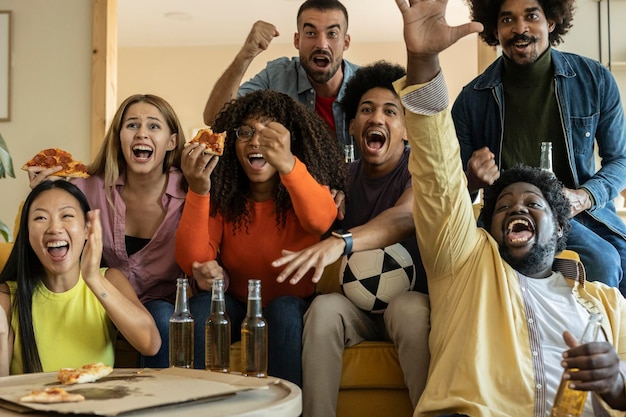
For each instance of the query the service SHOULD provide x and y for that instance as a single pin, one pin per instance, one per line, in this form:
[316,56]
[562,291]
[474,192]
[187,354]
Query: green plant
[6,168]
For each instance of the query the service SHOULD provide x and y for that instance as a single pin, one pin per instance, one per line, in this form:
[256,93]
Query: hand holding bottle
[578,199]
[594,366]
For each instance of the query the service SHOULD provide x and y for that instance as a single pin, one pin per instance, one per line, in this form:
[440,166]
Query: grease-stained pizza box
[128,390]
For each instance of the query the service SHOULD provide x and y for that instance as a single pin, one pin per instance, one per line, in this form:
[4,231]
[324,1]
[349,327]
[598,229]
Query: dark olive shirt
[531,116]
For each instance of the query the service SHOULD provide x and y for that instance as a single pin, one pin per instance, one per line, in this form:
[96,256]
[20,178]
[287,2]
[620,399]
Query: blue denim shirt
[590,106]
[287,75]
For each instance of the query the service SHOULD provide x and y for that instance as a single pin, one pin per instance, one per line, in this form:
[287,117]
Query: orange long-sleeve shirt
[247,255]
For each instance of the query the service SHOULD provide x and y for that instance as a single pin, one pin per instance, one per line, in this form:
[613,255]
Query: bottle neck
[218,304]
[254,298]
[254,307]
[348,153]
[590,334]
[546,156]
[182,304]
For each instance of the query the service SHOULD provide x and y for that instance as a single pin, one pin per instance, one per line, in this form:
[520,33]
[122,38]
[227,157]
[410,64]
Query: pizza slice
[214,141]
[51,157]
[87,373]
[51,395]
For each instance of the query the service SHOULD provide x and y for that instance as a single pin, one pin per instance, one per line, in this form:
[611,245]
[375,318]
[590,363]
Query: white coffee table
[281,398]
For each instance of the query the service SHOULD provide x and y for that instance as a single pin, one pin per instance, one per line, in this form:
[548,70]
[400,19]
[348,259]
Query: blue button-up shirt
[591,110]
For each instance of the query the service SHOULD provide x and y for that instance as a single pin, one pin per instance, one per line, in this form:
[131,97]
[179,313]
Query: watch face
[341,233]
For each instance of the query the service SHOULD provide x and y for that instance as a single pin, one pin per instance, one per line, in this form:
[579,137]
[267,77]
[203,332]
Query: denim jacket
[287,75]
[590,106]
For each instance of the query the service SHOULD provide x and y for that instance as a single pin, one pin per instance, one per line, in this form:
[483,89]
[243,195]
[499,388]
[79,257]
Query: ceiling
[215,22]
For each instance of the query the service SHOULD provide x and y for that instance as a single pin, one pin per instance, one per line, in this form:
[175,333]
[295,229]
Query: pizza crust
[51,395]
[87,373]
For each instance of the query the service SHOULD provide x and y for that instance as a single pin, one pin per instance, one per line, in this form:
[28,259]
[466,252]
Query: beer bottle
[217,332]
[569,402]
[348,153]
[181,329]
[545,162]
[254,335]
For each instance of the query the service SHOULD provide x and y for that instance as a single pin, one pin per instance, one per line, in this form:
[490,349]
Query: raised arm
[313,203]
[225,89]
[193,241]
[116,294]
[447,234]
[426,34]
[390,226]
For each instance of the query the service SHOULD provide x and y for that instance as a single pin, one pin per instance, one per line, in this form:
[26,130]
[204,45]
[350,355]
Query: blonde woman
[136,182]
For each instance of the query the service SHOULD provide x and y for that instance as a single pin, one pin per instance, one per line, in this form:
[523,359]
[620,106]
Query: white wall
[50,87]
[185,76]
[51,71]
[584,37]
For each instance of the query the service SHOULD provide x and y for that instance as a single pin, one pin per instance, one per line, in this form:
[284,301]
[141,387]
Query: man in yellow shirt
[505,314]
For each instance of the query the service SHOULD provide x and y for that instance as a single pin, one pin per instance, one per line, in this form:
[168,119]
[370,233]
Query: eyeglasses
[245,133]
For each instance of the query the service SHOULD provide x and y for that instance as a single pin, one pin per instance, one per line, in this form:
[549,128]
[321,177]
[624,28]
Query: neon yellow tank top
[71,329]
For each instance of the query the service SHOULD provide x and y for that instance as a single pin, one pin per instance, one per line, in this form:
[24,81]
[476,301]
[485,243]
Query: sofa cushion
[366,365]
[371,365]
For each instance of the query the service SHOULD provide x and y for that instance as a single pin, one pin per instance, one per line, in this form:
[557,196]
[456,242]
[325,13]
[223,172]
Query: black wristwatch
[347,238]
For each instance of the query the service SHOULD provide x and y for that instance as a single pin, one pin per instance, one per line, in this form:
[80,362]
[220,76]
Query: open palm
[426,31]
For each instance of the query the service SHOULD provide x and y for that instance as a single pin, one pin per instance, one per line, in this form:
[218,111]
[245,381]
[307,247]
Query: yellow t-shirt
[71,329]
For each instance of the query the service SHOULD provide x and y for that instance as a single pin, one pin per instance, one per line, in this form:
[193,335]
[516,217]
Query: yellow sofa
[372,383]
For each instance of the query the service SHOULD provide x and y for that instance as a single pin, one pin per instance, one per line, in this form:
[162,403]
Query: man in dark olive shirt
[534,94]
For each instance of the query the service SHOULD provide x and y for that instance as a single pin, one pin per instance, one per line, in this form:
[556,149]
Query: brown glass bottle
[181,329]
[217,332]
[254,335]
[569,402]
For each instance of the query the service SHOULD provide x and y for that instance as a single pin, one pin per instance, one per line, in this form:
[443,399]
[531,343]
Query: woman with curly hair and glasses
[269,192]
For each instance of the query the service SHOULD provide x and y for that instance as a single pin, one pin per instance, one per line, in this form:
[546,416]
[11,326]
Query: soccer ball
[371,278]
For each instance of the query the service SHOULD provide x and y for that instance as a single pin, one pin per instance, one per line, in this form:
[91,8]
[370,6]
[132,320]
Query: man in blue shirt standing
[533,94]
[316,78]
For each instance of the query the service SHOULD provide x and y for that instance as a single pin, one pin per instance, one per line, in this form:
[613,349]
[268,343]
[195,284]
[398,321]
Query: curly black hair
[548,184]
[311,141]
[379,74]
[487,11]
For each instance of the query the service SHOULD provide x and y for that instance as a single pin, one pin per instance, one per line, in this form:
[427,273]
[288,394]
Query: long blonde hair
[110,162]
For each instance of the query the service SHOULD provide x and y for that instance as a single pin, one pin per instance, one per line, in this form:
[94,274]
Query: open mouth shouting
[256,161]
[375,139]
[321,60]
[58,249]
[519,231]
[142,152]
